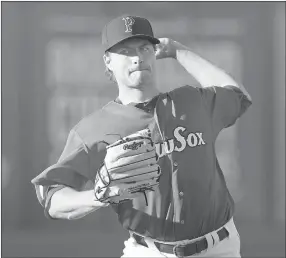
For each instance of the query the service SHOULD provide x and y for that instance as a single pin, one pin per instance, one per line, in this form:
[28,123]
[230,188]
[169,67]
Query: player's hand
[166,49]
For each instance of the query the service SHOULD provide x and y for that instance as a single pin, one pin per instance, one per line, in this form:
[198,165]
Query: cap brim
[141,36]
[150,38]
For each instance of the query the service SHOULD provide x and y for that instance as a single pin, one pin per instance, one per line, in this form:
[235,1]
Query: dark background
[53,74]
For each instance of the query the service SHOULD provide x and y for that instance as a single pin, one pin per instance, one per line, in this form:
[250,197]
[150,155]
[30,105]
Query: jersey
[192,198]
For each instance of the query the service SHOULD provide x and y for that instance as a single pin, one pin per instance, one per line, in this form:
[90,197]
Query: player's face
[133,63]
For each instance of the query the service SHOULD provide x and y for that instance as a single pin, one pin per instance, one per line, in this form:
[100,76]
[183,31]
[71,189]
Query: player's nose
[138,58]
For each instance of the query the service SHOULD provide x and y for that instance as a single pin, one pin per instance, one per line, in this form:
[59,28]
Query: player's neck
[131,95]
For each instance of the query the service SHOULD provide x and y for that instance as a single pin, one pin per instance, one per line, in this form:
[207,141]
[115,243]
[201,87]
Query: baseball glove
[129,170]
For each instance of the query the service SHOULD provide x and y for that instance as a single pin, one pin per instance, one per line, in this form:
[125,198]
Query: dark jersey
[192,198]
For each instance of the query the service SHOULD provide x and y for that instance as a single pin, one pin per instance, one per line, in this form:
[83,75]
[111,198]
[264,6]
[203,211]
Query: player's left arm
[206,73]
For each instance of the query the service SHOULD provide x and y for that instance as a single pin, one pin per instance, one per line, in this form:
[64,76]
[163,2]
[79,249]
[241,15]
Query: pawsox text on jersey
[193,139]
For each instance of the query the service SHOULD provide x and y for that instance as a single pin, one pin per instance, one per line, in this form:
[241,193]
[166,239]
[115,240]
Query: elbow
[53,213]
[247,95]
[58,214]
[249,98]
[54,208]
[243,90]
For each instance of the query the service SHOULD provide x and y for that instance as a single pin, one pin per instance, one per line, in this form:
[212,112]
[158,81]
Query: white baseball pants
[229,247]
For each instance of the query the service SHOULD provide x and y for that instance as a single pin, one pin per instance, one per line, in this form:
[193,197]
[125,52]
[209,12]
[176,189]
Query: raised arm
[225,99]
[206,73]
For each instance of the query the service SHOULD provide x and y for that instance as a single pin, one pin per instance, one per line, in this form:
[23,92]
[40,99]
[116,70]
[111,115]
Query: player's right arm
[206,73]
[224,98]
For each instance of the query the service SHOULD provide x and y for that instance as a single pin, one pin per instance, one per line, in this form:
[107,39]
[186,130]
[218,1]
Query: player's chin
[141,78]
[139,84]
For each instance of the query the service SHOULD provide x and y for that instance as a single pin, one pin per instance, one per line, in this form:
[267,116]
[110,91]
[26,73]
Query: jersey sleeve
[72,169]
[224,104]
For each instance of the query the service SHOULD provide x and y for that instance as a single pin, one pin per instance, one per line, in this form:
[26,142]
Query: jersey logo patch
[191,140]
[129,21]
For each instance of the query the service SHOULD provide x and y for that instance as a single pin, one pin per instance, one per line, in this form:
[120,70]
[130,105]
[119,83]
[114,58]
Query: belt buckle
[175,251]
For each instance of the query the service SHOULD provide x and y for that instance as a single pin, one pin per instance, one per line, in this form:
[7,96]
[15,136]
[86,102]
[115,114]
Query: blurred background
[53,75]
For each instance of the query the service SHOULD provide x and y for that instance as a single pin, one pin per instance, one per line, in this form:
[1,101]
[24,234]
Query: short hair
[108,72]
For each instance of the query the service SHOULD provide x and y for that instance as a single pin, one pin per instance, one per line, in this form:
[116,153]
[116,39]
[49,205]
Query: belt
[183,250]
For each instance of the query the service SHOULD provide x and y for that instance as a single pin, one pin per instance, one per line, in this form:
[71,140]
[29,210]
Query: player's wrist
[88,199]
[177,48]
[172,48]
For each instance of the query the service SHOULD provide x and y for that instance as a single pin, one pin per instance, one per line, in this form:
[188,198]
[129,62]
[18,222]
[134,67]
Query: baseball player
[151,155]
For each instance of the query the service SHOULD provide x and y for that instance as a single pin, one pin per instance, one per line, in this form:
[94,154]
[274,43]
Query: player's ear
[107,60]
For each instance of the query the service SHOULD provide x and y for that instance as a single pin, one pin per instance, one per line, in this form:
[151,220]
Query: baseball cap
[126,27]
